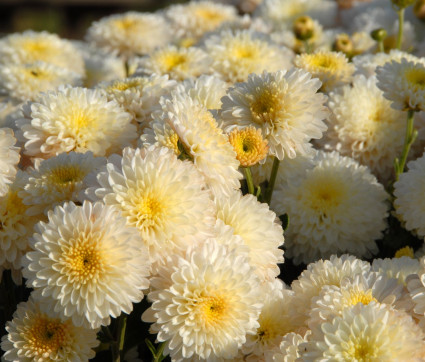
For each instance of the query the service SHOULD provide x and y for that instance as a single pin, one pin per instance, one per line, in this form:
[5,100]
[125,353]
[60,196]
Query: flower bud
[419,9]
[379,34]
[303,28]
[402,4]
[343,44]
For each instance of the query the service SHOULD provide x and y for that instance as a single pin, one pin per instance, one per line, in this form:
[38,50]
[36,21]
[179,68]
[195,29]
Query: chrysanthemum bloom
[75,119]
[165,198]
[87,263]
[323,272]
[178,63]
[249,145]
[336,207]
[332,68]
[237,54]
[288,348]
[31,46]
[58,179]
[284,105]
[398,268]
[256,224]
[15,226]
[415,283]
[204,304]
[24,82]
[139,96]
[409,192]
[368,333]
[34,334]
[364,126]
[9,159]
[129,34]
[194,19]
[403,83]
[187,127]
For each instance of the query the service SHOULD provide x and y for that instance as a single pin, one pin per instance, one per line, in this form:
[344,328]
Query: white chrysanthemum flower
[165,198]
[194,19]
[368,333]
[237,54]
[178,63]
[35,334]
[288,350]
[398,268]
[59,179]
[366,64]
[87,263]
[332,68]
[323,272]
[284,105]
[9,159]
[362,288]
[139,96]
[75,119]
[403,83]
[336,207]
[24,82]
[15,226]
[409,192]
[256,224]
[31,46]
[209,302]
[129,34]
[190,130]
[415,284]
[364,126]
[282,13]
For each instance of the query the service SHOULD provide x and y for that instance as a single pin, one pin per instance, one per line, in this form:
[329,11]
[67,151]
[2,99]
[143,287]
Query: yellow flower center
[249,145]
[171,142]
[325,61]
[406,251]
[124,85]
[149,211]
[265,105]
[36,49]
[84,260]
[126,24]
[212,16]
[65,175]
[47,336]
[244,51]
[212,309]
[364,297]
[361,351]
[171,60]
[416,77]
[11,207]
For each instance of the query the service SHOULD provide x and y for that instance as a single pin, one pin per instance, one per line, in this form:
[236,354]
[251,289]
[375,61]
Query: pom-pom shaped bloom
[409,191]
[165,198]
[9,159]
[30,46]
[332,68]
[205,304]
[59,179]
[129,34]
[284,105]
[256,224]
[87,263]
[34,334]
[237,54]
[75,119]
[403,83]
[249,145]
[288,349]
[335,207]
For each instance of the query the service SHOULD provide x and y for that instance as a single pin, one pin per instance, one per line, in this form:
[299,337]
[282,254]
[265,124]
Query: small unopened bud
[402,4]
[303,28]
[419,9]
[249,145]
[343,44]
[379,34]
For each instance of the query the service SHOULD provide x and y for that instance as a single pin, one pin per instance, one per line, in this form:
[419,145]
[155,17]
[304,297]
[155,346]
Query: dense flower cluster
[236,187]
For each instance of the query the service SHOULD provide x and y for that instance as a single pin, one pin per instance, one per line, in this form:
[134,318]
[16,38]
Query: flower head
[9,159]
[249,144]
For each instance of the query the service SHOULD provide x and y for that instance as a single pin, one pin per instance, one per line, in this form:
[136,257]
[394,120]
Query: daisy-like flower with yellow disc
[332,68]
[36,334]
[237,54]
[30,47]
[178,63]
[249,145]
[204,304]
[24,82]
[164,198]
[75,119]
[403,83]
[87,263]
[59,179]
[9,159]
[129,34]
[284,105]
[369,332]
[336,207]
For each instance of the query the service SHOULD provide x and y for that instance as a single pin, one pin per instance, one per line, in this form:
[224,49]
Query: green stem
[269,191]
[160,353]
[118,345]
[400,28]
[249,182]
[409,138]
[307,47]
[381,47]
